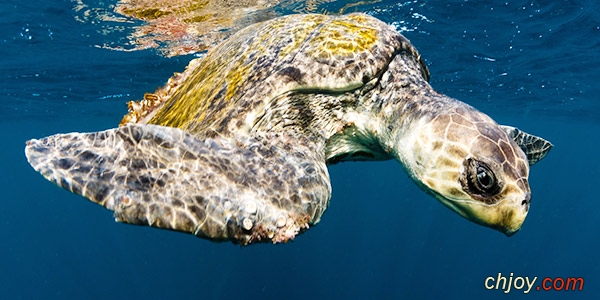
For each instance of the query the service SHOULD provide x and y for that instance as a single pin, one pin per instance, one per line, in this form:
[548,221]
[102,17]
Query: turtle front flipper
[246,190]
[534,147]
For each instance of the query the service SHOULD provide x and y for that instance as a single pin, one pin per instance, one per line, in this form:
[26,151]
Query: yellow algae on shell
[300,33]
[212,85]
[229,89]
[343,38]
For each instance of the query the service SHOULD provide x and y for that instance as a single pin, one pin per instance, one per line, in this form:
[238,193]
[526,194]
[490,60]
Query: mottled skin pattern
[245,190]
[236,147]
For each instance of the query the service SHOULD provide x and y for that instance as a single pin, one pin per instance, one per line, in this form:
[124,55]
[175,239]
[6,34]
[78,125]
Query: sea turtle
[237,147]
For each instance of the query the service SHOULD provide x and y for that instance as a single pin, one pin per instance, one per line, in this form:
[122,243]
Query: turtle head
[476,167]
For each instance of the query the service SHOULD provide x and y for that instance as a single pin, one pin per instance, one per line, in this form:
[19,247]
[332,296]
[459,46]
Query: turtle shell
[226,91]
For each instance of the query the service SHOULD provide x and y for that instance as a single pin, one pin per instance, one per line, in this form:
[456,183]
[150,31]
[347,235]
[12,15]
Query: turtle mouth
[510,232]
[509,224]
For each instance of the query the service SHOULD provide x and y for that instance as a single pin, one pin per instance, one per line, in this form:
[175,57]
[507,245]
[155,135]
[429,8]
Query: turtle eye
[485,179]
[480,179]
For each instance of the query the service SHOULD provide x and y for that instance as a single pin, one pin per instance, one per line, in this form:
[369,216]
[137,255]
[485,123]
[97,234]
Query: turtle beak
[509,225]
[513,216]
[510,233]
[507,217]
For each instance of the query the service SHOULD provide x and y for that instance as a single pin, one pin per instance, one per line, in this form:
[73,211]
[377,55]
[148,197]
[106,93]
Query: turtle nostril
[526,201]
[525,204]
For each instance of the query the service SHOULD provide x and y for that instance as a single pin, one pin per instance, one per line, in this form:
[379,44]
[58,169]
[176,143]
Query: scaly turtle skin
[236,147]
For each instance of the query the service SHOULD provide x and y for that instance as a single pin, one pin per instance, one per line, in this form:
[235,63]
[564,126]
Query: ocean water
[530,64]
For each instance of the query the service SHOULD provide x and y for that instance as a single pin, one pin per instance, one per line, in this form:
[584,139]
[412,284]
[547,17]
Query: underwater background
[531,64]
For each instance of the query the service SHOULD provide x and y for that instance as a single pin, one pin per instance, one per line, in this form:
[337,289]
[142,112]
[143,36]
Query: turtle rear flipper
[253,189]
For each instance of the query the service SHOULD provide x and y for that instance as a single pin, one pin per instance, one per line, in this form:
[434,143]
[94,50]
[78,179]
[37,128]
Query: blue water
[531,64]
